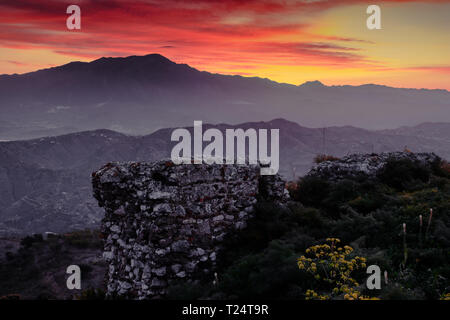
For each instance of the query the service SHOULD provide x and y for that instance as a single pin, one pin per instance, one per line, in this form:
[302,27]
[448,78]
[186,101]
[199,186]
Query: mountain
[45,183]
[435,130]
[140,94]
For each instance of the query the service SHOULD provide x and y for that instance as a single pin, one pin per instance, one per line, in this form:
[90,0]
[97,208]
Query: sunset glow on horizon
[285,41]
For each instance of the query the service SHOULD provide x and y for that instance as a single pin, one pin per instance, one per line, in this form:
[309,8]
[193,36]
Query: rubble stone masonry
[164,221]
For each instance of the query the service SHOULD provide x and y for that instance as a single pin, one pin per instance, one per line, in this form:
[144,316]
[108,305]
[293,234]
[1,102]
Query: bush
[404,174]
[443,169]
[28,241]
[92,294]
[269,274]
[340,193]
[324,157]
[333,267]
[84,239]
[311,191]
[270,222]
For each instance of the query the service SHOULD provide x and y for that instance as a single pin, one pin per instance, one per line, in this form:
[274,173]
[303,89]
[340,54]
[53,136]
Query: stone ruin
[366,165]
[164,221]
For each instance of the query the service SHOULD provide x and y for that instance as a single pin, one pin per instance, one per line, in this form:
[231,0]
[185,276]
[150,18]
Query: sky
[290,41]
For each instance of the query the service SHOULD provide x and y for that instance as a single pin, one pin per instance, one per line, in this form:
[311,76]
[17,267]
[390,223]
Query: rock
[218,218]
[115,229]
[198,252]
[240,225]
[123,285]
[212,256]
[160,252]
[162,208]
[242,214]
[229,217]
[108,255]
[120,212]
[158,283]
[180,246]
[159,195]
[159,271]
[140,194]
[176,268]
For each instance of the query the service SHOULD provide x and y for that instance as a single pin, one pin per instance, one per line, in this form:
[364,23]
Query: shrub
[182,290]
[340,193]
[324,157]
[404,174]
[312,191]
[396,293]
[270,273]
[333,268]
[365,204]
[84,239]
[92,294]
[443,169]
[270,222]
[28,241]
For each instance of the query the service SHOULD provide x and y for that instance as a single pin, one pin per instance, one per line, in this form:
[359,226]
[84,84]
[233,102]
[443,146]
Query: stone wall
[164,221]
[366,165]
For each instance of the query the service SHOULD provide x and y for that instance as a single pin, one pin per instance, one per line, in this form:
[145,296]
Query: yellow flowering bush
[445,297]
[330,263]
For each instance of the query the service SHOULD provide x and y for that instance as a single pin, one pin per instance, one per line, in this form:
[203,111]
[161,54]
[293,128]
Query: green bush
[311,191]
[28,241]
[404,174]
[92,294]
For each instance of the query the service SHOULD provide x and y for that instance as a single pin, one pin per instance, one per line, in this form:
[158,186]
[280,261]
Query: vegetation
[317,246]
[330,265]
[37,269]
[385,221]
[324,157]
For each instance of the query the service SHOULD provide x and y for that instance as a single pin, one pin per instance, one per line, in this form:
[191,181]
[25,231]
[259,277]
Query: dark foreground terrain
[34,268]
[385,220]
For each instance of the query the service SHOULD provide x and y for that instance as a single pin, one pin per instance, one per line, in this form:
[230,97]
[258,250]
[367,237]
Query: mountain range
[140,94]
[62,123]
[45,183]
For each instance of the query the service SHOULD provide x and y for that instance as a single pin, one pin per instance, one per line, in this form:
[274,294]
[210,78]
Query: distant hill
[433,130]
[45,183]
[140,94]
[35,268]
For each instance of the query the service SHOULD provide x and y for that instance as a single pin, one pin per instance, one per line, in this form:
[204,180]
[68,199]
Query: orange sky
[287,41]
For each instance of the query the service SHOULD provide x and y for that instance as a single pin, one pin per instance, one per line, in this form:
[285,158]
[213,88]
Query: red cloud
[194,31]
[440,69]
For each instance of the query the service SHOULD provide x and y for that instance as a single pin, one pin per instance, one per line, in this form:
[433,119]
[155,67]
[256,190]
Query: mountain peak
[313,84]
[149,58]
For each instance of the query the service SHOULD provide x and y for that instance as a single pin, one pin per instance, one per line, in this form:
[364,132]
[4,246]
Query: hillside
[45,183]
[34,268]
[375,216]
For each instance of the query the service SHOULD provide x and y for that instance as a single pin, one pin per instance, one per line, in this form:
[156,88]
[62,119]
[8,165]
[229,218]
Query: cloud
[16,63]
[194,27]
[439,69]
[214,35]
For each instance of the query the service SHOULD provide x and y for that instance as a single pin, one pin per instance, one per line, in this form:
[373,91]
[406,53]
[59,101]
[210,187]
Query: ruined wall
[164,221]
[366,165]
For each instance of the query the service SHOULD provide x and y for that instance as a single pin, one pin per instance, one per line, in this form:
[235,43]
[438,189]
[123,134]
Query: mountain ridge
[156,57]
[139,94]
[45,182]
